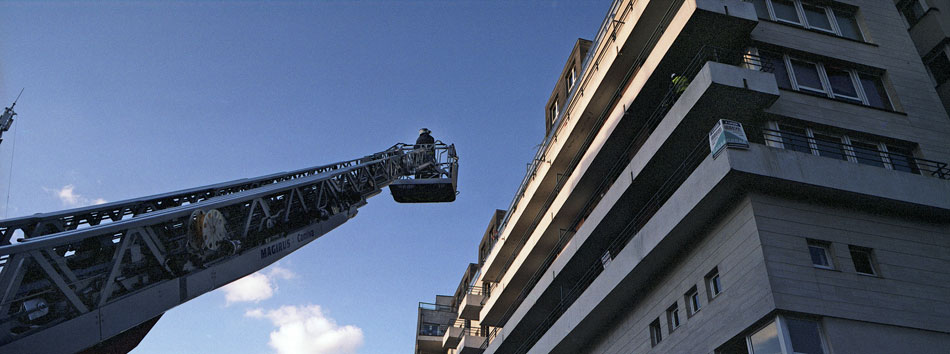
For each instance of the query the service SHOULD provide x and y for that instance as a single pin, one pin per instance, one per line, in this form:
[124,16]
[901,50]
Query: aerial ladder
[96,279]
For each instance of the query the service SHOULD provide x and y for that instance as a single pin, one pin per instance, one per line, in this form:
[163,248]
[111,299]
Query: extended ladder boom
[75,278]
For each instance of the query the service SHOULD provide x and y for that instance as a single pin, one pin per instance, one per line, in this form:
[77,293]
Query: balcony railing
[838,149]
[593,55]
[436,307]
[705,54]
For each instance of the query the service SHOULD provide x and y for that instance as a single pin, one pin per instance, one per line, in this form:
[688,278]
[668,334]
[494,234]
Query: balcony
[453,335]
[867,154]
[664,44]
[720,83]
[472,341]
[632,34]
[696,192]
[433,322]
[471,303]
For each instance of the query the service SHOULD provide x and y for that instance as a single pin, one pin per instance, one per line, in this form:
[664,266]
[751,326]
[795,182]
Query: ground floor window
[787,335]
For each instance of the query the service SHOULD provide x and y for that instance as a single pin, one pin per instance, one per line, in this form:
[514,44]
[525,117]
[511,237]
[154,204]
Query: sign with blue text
[727,133]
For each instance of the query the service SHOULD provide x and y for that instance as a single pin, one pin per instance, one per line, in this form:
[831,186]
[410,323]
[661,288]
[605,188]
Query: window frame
[692,307]
[571,79]
[872,262]
[829,13]
[784,336]
[554,110]
[847,146]
[656,333]
[713,283]
[672,313]
[824,246]
[827,90]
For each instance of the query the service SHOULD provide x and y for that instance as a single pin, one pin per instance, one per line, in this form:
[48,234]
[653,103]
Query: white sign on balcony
[727,133]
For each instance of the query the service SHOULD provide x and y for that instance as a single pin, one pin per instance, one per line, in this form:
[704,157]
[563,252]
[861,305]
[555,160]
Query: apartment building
[828,231]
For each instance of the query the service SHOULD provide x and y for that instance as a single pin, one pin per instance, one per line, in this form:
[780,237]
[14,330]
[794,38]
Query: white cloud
[306,330]
[257,286]
[68,196]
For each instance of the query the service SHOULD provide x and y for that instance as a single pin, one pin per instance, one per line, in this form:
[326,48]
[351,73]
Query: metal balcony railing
[838,149]
[436,307]
[477,290]
[704,55]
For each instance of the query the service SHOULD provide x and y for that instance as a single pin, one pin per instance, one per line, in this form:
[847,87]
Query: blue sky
[129,99]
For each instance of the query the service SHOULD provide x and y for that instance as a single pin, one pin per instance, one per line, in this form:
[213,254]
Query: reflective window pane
[819,256]
[804,336]
[874,90]
[867,154]
[785,10]
[848,25]
[765,341]
[817,18]
[806,75]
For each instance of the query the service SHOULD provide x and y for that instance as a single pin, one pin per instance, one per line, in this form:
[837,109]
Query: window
[902,159]
[836,81]
[787,335]
[807,76]
[874,90]
[863,260]
[820,254]
[692,302]
[912,10]
[848,25]
[939,67]
[817,18]
[761,9]
[867,153]
[826,19]
[673,317]
[655,334]
[570,79]
[842,84]
[713,283]
[777,61]
[765,340]
[899,157]
[795,138]
[554,111]
[785,11]
[828,145]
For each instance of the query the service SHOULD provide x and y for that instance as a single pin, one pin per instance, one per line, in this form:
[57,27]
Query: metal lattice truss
[60,268]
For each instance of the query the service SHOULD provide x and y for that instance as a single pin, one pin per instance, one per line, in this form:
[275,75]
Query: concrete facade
[830,233]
